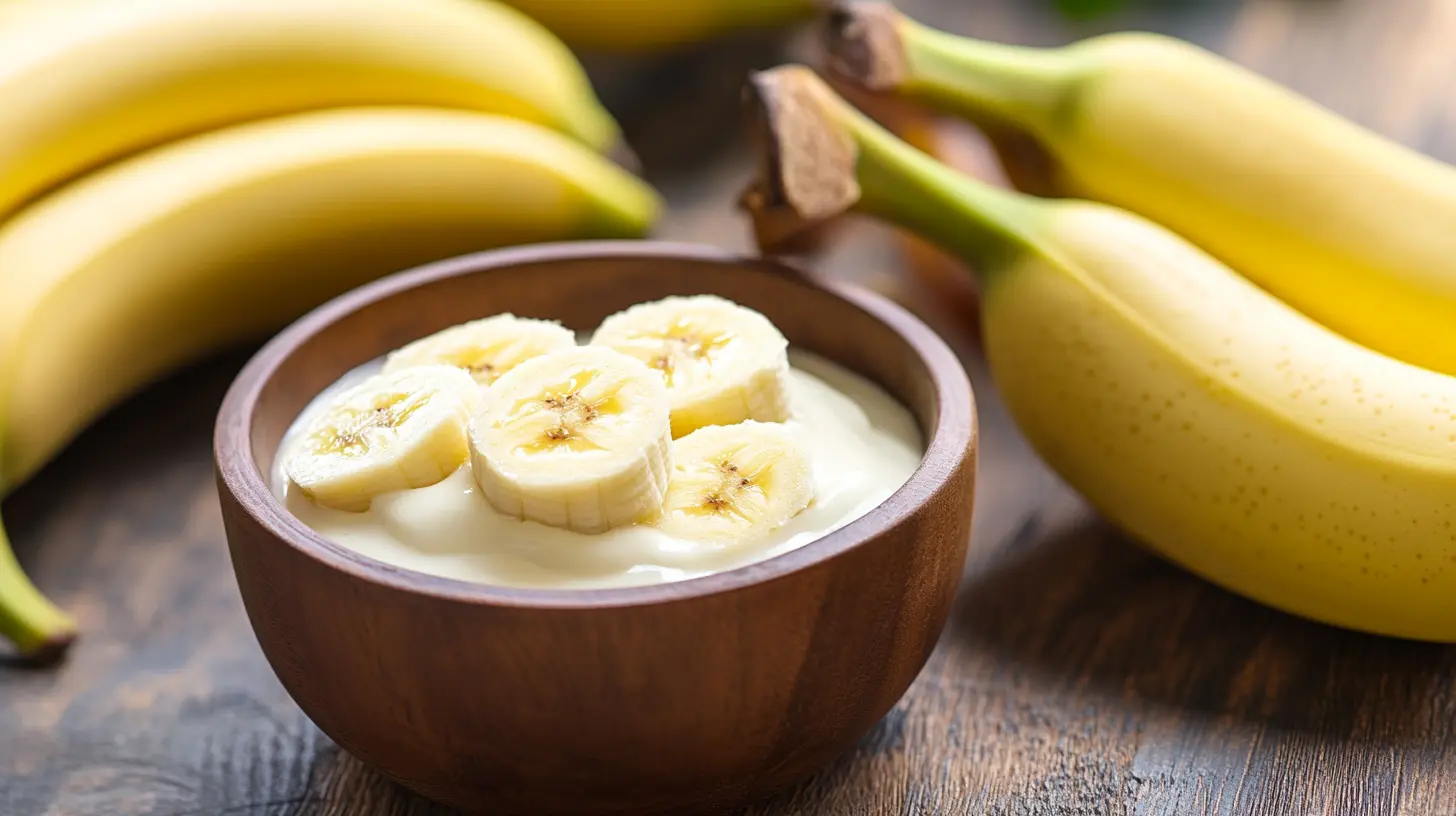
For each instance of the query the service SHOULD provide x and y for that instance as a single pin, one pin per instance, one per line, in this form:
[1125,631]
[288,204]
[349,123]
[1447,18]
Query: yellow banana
[86,82]
[654,25]
[206,242]
[1353,229]
[1226,430]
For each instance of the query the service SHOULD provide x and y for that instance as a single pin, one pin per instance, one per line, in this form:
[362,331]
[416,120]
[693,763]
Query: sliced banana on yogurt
[393,431]
[722,363]
[485,348]
[733,484]
[578,439]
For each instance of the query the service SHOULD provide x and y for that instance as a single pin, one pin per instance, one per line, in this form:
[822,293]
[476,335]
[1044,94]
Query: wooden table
[1078,674]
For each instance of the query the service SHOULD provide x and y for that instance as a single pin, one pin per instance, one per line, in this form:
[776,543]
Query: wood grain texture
[1078,675]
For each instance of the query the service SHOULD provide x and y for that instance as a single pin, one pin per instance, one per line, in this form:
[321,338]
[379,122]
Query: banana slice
[486,348]
[723,363]
[733,484]
[578,439]
[391,432]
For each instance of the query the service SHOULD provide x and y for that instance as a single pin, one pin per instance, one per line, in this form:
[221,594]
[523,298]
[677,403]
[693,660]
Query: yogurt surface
[863,444]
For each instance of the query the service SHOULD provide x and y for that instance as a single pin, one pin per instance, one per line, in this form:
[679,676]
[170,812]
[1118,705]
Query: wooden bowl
[692,696]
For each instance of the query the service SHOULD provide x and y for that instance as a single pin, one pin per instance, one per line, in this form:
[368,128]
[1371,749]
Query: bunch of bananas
[181,175]
[1286,430]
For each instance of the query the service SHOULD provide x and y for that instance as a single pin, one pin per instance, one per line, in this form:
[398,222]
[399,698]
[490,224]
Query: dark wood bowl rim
[954,433]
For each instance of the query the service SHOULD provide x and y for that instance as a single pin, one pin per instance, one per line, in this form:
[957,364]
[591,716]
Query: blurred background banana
[88,82]
[211,241]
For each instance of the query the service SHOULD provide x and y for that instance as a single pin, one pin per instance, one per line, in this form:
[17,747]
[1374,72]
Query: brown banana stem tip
[48,653]
[778,230]
[806,161]
[863,46]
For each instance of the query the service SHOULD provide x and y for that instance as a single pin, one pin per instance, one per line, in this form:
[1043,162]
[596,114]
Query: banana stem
[40,631]
[980,224]
[820,157]
[873,45]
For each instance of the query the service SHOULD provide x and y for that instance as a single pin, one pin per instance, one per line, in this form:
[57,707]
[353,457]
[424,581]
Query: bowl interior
[580,285]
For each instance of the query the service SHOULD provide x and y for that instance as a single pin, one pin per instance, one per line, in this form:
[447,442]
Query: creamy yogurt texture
[863,444]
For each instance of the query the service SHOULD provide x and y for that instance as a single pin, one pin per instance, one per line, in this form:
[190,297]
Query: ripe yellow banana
[1226,430]
[1353,229]
[87,82]
[655,25]
[209,241]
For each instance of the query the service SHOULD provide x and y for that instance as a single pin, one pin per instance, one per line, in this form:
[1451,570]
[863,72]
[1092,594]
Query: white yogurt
[864,445]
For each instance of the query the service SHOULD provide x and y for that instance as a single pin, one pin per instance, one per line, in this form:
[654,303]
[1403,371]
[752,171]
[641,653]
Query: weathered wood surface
[1078,676]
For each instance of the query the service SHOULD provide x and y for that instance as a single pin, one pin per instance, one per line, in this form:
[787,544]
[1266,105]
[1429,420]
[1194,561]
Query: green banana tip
[40,631]
[806,159]
[862,44]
